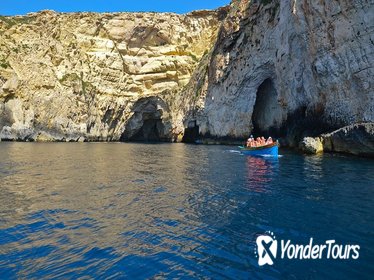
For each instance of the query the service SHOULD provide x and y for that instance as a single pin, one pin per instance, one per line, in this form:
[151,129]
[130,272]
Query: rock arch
[149,123]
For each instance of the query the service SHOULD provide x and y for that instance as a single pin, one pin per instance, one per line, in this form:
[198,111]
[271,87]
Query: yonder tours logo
[267,248]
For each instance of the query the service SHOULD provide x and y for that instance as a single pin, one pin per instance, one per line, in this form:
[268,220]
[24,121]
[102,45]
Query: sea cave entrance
[148,123]
[191,132]
[267,113]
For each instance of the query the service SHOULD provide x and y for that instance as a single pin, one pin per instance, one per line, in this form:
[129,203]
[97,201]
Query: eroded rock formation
[357,139]
[79,76]
[288,68]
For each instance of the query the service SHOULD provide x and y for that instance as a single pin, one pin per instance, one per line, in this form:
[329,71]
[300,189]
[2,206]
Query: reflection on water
[261,171]
[313,167]
[132,210]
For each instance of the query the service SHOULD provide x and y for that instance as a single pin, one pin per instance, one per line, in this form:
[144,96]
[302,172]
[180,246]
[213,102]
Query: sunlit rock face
[288,68]
[77,76]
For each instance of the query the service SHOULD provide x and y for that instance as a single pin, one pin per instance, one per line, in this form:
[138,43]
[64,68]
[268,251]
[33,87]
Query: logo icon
[266,248]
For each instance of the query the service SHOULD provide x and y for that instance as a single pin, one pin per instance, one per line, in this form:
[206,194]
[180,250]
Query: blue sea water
[114,211]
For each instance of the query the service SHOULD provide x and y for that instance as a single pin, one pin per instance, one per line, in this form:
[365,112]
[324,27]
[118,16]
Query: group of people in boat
[258,142]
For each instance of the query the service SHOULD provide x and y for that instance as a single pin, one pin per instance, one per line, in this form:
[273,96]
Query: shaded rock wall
[318,55]
[357,139]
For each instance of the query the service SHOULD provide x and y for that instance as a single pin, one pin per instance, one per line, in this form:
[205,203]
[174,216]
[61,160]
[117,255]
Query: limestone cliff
[88,76]
[291,68]
[288,68]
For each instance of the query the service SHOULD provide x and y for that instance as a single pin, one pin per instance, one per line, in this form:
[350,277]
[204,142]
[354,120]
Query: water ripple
[174,211]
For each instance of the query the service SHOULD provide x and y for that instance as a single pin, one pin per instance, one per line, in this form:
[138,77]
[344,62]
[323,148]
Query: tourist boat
[267,150]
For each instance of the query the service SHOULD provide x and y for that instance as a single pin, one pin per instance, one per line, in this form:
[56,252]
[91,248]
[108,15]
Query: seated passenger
[250,141]
[269,141]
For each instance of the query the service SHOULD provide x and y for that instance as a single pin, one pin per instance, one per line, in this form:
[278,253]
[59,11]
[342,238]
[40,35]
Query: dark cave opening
[267,113]
[149,132]
[191,132]
[147,123]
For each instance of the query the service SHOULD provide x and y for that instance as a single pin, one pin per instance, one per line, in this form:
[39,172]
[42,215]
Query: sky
[22,7]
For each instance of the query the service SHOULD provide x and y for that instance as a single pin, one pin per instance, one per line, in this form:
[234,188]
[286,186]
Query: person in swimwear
[250,141]
[269,141]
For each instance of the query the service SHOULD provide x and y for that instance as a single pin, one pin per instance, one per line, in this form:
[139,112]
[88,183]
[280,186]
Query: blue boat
[267,150]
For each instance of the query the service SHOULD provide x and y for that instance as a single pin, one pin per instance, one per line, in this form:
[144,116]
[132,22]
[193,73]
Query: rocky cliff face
[286,68]
[98,76]
[289,68]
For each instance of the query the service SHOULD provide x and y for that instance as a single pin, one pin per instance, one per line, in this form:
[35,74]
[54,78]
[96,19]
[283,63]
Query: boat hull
[269,150]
